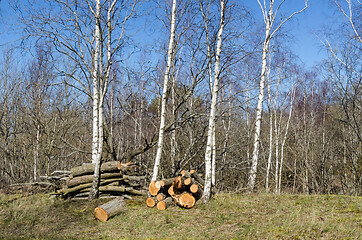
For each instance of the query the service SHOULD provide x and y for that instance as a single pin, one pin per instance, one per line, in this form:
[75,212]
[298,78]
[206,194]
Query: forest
[182,84]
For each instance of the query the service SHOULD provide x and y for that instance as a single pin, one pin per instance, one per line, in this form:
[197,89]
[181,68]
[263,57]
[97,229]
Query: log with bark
[113,180]
[89,178]
[151,201]
[88,168]
[183,190]
[165,203]
[110,209]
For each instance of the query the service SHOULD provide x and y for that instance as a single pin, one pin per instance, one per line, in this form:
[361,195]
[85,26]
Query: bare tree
[164,93]
[211,130]
[269,16]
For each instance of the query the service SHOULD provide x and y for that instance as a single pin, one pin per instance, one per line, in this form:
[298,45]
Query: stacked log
[114,181]
[183,190]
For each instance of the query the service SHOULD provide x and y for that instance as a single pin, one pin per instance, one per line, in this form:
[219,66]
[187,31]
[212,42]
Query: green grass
[227,216]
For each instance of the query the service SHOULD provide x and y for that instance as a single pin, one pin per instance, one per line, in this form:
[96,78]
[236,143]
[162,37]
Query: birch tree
[215,88]
[81,33]
[269,16]
[164,93]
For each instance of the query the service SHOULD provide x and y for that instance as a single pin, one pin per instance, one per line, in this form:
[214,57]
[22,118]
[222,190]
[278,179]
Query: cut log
[186,200]
[164,183]
[162,205]
[60,172]
[121,165]
[67,191]
[153,189]
[134,178]
[121,189]
[197,177]
[135,191]
[194,188]
[88,168]
[109,209]
[171,191]
[188,181]
[196,191]
[125,167]
[89,178]
[161,196]
[177,182]
[185,174]
[151,202]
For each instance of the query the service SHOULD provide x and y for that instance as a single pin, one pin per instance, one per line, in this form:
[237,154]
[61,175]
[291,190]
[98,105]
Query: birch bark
[269,18]
[208,161]
[259,109]
[93,194]
[164,93]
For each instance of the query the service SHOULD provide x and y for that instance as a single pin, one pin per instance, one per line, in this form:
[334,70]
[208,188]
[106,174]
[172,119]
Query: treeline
[310,138]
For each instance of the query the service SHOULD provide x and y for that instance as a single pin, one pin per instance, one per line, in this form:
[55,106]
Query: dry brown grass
[227,216]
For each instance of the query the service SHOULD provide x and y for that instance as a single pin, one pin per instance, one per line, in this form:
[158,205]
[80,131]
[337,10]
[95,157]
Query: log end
[100,214]
[186,200]
[150,202]
[161,205]
[188,181]
[153,189]
[194,188]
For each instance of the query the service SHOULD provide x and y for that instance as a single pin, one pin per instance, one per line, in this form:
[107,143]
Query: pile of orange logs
[183,190]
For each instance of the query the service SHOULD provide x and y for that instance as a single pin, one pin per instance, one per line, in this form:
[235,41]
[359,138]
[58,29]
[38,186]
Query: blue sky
[303,27]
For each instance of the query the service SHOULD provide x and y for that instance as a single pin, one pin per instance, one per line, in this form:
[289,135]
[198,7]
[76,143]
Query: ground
[227,216]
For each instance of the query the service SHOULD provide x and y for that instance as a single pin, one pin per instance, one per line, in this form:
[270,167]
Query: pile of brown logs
[116,180]
[183,190]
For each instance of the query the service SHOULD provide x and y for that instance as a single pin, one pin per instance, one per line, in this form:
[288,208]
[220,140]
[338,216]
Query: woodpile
[47,183]
[115,181]
[183,190]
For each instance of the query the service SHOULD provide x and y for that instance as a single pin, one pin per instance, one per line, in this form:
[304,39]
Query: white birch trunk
[259,109]
[95,75]
[276,129]
[164,93]
[173,133]
[270,136]
[208,161]
[213,158]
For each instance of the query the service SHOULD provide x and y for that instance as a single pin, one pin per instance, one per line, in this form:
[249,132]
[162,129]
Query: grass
[227,216]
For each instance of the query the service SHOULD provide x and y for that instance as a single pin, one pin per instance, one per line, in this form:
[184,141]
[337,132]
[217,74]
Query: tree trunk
[164,93]
[95,143]
[259,109]
[36,153]
[215,89]
[110,209]
[284,139]
[270,134]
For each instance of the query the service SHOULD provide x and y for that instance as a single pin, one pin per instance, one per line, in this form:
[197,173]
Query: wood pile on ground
[51,182]
[183,190]
[116,180]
